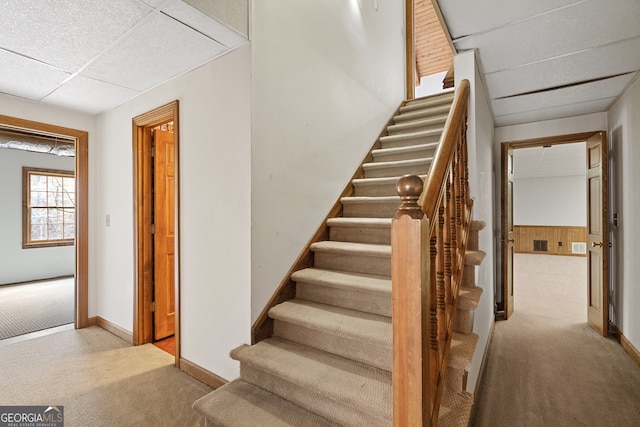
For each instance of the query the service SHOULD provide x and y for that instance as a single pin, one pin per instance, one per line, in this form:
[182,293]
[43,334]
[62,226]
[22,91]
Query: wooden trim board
[114,329]
[629,348]
[201,374]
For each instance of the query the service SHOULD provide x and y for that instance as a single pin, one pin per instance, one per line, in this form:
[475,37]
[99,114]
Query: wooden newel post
[410,294]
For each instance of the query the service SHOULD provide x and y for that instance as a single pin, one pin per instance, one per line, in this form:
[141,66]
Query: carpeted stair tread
[376,187]
[357,291]
[473,257]
[428,101]
[369,283]
[477,225]
[435,113]
[359,222]
[405,153]
[370,206]
[360,336]
[455,409]
[468,298]
[410,134]
[240,404]
[361,230]
[345,391]
[461,351]
[347,248]
[397,168]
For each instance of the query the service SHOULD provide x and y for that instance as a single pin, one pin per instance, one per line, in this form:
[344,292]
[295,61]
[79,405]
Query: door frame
[529,143]
[143,248]
[81,308]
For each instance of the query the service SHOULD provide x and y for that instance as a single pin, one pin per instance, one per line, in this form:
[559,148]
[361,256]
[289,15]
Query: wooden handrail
[428,242]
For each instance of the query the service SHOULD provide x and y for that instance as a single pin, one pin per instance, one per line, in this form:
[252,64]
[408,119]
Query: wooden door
[597,246]
[164,235]
[508,238]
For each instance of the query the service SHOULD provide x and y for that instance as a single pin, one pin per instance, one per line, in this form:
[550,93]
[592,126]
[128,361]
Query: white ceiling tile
[554,112]
[24,77]
[156,51]
[153,3]
[605,61]
[557,160]
[66,33]
[89,95]
[465,17]
[204,24]
[567,30]
[601,89]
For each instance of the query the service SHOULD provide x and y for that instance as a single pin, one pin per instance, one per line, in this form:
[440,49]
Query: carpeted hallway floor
[100,380]
[545,366]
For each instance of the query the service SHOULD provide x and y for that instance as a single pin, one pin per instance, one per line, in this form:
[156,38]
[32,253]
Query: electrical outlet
[108,220]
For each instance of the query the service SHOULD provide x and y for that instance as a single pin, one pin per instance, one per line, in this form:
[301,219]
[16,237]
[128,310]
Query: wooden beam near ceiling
[434,53]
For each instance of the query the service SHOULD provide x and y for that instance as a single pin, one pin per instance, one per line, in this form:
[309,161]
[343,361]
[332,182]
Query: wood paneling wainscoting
[530,239]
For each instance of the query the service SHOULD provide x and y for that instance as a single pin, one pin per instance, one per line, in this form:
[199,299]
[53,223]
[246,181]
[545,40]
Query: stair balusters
[428,237]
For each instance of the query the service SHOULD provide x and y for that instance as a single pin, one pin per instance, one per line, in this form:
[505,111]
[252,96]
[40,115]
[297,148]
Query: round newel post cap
[409,186]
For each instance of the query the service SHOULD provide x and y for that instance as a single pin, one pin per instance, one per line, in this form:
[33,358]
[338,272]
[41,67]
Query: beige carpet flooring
[35,306]
[100,380]
[546,367]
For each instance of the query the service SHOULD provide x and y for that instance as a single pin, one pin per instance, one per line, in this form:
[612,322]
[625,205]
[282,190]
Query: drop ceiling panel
[602,89]
[88,95]
[27,78]
[207,26]
[159,49]
[567,30]
[466,17]
[596,63]
[558,160]
[555,112]
[66,33]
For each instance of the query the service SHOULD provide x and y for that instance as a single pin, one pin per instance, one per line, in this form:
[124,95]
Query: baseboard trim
[201,374]
[629,348]
[483,365]
[114,329]
[92,321]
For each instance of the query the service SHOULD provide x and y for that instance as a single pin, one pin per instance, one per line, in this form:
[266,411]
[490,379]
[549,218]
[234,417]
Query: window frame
[27,243]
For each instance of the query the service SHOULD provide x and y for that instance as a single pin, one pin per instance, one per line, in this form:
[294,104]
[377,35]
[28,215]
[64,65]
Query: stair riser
[380,171]
[455,379]
[472,241]
[429,114]
[375,355]
[469,276]
[419,104]
[337,411]
[356,263]
[392,142]
[421,153]
[464,322]
[360,235]
[417,126]
[380,190]
[369,209]
[368,302]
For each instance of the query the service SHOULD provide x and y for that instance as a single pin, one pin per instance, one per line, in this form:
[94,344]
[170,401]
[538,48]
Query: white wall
[624,137]
[215,206]
[481,182]
[558,200]
[39,112]
[327,76]
[23,265]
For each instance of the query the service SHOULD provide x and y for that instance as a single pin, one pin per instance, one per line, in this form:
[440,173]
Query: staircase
[328,361]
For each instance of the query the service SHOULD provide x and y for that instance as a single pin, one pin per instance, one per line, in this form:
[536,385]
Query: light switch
[108,220]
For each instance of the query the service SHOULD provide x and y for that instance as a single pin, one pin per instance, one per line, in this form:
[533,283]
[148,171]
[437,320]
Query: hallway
[545,366]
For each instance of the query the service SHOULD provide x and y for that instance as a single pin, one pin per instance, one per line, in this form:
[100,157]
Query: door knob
[596,244]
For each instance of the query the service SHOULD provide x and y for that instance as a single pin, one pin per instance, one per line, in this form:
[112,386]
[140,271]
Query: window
[49,207]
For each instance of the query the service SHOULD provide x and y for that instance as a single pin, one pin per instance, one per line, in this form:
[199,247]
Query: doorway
[80,141]
[589,241]
[549,215]
[157,290]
